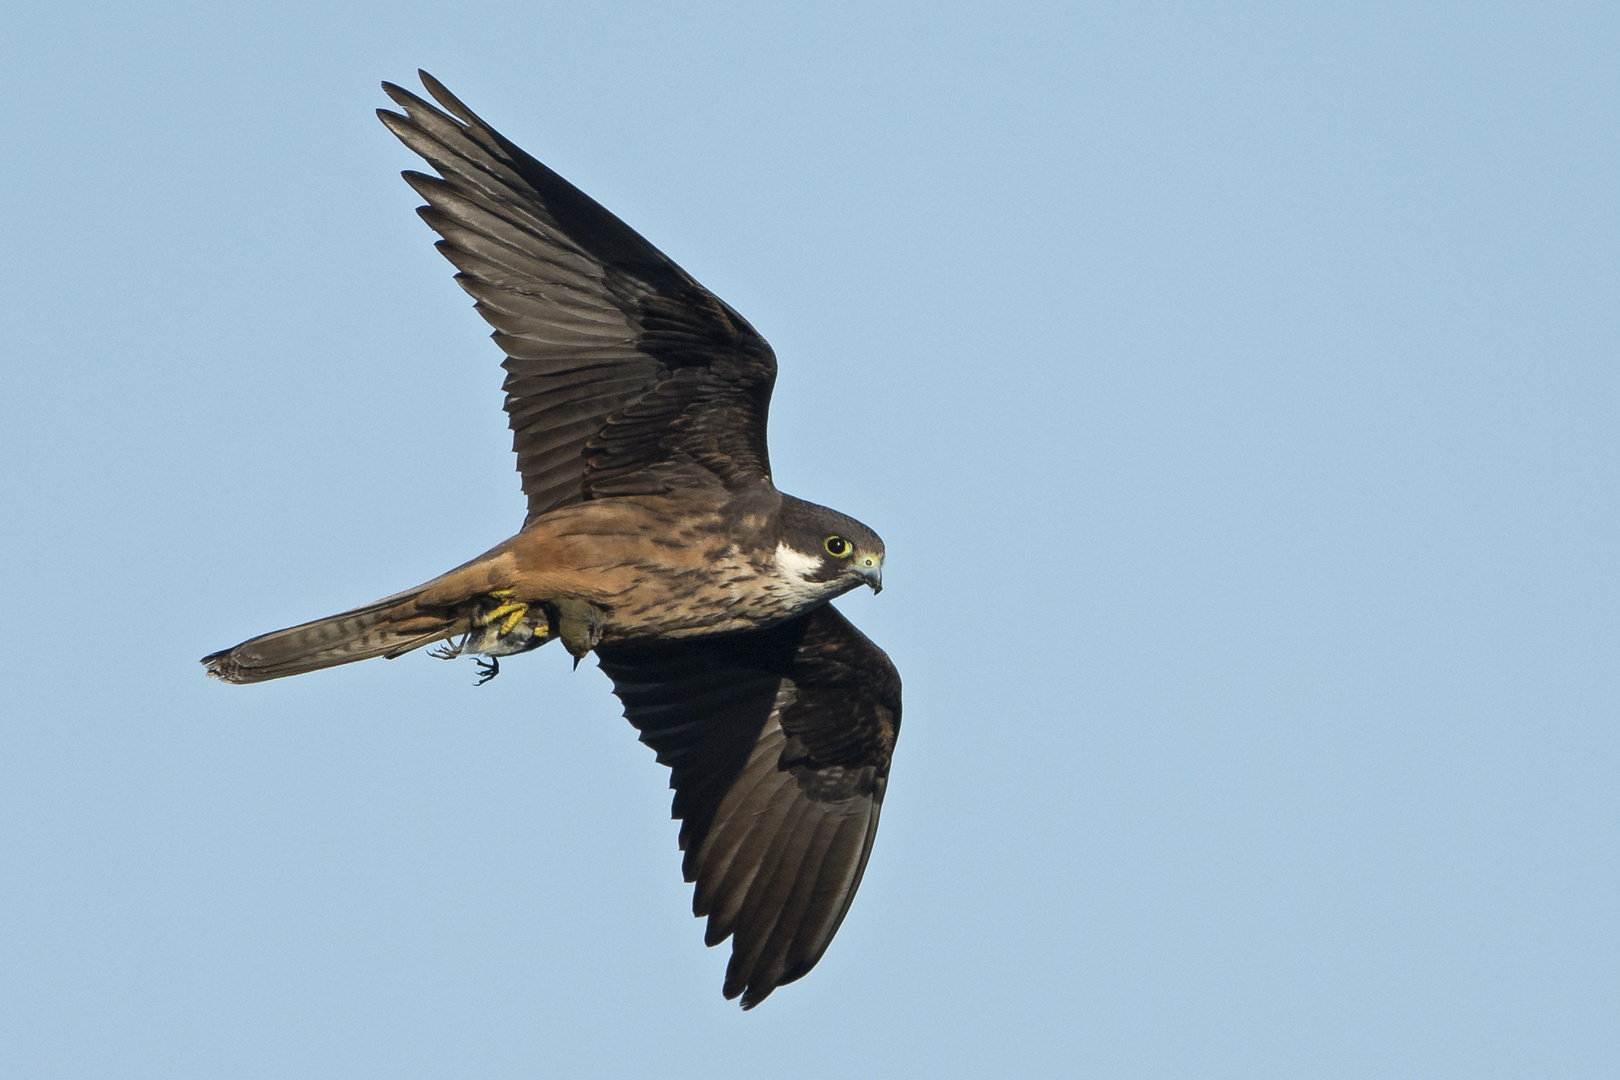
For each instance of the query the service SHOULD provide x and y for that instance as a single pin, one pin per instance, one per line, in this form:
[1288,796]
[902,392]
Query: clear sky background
[1234,385]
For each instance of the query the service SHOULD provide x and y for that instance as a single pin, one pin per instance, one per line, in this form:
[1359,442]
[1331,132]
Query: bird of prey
[655,538]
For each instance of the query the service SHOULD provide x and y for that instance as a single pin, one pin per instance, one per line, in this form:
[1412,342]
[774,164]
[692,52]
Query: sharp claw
[487,669]
[448,650]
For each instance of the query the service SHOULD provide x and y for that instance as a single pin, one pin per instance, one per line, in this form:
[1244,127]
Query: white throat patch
[793,584]
[796,566]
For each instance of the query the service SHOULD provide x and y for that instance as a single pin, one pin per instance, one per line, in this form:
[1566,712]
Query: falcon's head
[825,551]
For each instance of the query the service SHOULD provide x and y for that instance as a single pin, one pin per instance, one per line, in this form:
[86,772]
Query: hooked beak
[870,570]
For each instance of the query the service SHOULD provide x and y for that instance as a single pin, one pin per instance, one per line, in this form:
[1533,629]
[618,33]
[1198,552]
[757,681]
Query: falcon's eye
[838,547]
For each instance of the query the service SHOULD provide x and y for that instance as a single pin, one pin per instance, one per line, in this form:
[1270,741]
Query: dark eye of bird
[838,547]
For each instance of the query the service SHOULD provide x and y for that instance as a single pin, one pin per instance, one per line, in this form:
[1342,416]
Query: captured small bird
[655,538]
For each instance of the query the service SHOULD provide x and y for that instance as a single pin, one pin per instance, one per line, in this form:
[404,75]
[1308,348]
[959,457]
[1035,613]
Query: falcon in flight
[655,538]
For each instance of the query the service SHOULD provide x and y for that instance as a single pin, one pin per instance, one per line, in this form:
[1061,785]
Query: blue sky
[1234,386]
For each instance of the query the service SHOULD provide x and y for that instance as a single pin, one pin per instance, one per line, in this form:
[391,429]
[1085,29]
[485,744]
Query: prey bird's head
[821,547]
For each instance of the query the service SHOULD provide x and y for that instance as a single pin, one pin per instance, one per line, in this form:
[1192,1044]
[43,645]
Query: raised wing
[778,743]
[624,375]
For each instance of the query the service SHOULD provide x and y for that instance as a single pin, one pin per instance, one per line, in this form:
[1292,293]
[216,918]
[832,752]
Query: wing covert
[624,375]
[778,743]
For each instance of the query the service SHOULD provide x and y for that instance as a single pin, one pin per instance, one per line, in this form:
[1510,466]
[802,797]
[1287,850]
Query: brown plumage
[778,743]
[654,536]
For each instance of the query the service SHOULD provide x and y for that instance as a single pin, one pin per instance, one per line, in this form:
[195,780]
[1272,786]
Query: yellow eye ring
[838,547]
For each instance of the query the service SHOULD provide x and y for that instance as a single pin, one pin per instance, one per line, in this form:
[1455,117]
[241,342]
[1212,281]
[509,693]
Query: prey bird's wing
[624,375]
[778,743]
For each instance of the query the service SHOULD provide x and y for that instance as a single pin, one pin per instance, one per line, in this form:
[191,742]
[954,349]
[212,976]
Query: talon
[449,650]
[487,669]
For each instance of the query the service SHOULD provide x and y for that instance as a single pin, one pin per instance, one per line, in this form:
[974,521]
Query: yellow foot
[512,611]
[508,617]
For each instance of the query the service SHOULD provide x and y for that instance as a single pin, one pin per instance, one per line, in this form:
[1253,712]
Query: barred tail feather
[390,628]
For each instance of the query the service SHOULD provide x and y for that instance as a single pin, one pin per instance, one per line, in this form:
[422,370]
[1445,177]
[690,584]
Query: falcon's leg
[502,626]
[511,613]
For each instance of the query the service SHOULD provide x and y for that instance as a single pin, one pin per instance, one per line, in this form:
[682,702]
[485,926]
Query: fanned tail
[391,627]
